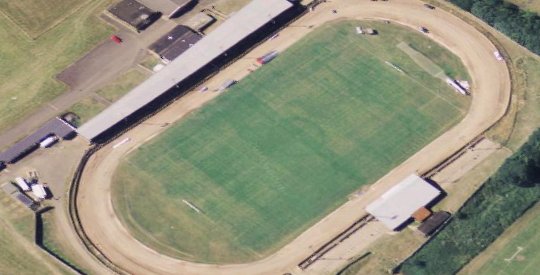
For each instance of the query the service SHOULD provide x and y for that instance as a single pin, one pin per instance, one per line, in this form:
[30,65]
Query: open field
[286,145]
[528,5]
[37,16]
[28,67]
[54,241]
[17,259]
[17,234]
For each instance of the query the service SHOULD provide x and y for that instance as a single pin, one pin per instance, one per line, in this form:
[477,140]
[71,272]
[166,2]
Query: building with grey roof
[170,8]
[174,43]
[242,25]
[397,205]
[134,14]
[55,126]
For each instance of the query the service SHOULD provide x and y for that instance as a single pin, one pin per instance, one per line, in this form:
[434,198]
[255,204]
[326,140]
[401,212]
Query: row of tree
[503,198]
[521,26]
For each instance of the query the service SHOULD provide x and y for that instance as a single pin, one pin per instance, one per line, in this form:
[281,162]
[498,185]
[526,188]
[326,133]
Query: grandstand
[398,205]
[237,28]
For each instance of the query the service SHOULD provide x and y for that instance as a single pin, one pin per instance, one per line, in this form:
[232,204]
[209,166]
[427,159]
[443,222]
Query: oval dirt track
[491,94]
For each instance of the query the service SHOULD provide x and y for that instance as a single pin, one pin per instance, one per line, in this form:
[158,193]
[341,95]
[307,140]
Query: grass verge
[86,109]
[122,85]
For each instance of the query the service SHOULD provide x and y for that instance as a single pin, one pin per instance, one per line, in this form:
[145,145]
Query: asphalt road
[491,94]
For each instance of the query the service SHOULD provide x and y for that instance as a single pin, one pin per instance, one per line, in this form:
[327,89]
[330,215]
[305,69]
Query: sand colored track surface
[491,94]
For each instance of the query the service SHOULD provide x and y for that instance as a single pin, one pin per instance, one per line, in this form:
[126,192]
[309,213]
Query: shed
[135,14]
[397,206]
[433,223]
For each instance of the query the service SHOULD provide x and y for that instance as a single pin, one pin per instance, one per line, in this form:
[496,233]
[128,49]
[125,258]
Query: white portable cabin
[454,84]
[22,184]
[39,191]
[48,142]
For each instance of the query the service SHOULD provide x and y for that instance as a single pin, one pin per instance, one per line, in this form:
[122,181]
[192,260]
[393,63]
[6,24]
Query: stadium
[259,130]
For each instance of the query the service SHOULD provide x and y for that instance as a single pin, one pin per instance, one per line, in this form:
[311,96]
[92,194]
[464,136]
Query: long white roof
[398,204]
[244,22]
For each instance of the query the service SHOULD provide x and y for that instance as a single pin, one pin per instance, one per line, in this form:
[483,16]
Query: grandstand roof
[398,204]
[244,22]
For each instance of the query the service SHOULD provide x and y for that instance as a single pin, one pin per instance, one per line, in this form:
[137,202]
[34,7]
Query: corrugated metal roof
[398,204]
[55,126]
[246,21]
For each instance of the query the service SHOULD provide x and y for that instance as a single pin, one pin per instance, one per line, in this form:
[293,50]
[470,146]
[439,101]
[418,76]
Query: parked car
[116,39]
[429,6]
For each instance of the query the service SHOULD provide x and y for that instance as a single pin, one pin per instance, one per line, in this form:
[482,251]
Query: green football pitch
[286,145]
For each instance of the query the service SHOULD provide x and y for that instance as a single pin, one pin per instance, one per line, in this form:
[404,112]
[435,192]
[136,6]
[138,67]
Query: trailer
[455,84]
[48,142]
[22,184]
[39,191]
[267,57]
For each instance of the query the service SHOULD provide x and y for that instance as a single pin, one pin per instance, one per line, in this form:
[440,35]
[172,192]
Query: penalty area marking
[519,249]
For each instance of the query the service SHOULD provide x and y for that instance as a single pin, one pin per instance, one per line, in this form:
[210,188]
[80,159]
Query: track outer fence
[75,219]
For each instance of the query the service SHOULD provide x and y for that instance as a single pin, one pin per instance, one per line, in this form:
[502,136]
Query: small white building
[39,191]
[22,184]
[397,205]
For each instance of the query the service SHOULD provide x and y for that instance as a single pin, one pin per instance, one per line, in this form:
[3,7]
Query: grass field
[123,84]
[517,250]
[28,67]
[89,107]
[37,16]
[287,144]
[528,5]
[18,253]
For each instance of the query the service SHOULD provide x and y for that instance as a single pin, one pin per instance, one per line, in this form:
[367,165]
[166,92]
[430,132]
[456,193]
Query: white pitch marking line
[121,143]
[519,249]
[192,206]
